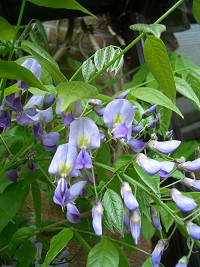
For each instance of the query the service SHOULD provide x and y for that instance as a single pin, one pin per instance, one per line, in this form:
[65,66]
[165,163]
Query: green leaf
[28,249]
[104,254]
[37,201]
[71,92]
[148,230]
[185,89]
[148,262]
[99,59]
[44,59]
[185,149]
[114,208]
[196,10]
[123,261]
[42,33]
[11,200]
[193,78]
[122,160]
[7,31]
[117,65]
[166,218]
[154,96]
[58,242]
[155,29]
[12,70]
[19,237]
[69,4]
[166,115]
[103,156]
[158,63]
[82,241]
[109,55]
[88,69]
[152,181]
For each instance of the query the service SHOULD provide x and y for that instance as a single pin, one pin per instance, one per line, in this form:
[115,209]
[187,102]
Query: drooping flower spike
[118,116]
[164,147]
[97,215]
[157,252]
[129,200]
[84,134]
[185,204]
[63,162]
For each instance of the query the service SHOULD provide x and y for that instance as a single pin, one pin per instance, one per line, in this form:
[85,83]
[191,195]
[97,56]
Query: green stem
[45,175]
[4,143]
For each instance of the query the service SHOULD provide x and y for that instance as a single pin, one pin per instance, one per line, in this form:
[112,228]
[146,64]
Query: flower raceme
[118,116]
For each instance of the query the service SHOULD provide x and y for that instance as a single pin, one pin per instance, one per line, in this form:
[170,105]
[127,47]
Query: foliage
[60,140]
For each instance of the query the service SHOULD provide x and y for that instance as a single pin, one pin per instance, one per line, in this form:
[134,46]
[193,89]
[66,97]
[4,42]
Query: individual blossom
[149,111]
[127,220]
[84,134]
[12,175]
[155,219]
[183,262]
[136,145]
[150,166]
[64,195]
[191,166]
[123,95]
[50,141]
[118,117]
[166,168]
[193,230]
[164,147]
[158,252]
[193,183]
[129,200]
[73,214]
[63,162]
[135,225]
[5,119]
[32,65]
[154,123]
[136,129]
[97,215]
[185,204]
[73,111]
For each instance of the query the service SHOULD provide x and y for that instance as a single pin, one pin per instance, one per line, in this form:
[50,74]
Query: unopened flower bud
[157,252]
[129,199]
[185,204]
[97,214]
[135,224]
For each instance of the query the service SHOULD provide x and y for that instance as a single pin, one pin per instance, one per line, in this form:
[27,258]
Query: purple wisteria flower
[166,168]
[155,219]
[194,184]
[193,230]
[157,252]
[84,134]
[136,145]
[73,214]
[183,262]
[118,116]
[72,112]
[191,166]
[32,65]
[164,147]
[12,175]
[127,220]
[5,120]
[63,162]
[97,214]
[50,141]
[136,129]
[129,200]
[154,123]
[184,203]
[123,95]
[64,195]
[149,111]
[135,224]
[150,166]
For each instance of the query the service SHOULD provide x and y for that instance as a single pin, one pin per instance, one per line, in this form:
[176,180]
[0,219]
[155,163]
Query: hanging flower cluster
[73,161]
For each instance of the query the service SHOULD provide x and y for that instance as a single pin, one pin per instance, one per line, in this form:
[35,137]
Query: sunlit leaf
[88,69]
[7,31]
[158,63]
[196,10]
[155,29]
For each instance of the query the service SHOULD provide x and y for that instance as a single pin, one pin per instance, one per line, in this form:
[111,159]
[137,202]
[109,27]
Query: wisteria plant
[109,162]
